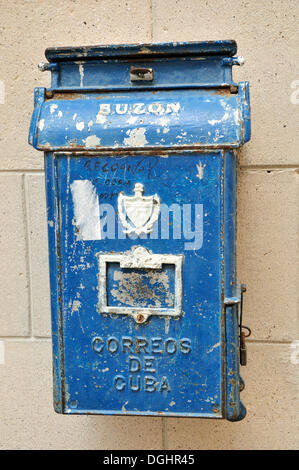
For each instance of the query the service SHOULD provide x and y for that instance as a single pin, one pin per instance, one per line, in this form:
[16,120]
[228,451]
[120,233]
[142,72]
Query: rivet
[140,318]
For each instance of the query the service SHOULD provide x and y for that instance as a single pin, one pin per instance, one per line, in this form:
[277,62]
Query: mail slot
[140,145]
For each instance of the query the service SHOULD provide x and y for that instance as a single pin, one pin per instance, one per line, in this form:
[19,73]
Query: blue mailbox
[140,146]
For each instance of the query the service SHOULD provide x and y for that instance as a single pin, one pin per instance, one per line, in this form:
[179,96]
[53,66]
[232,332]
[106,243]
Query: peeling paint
[136,137]
[200,169]
[132,119]
[218,121]
[81,71]
[80,125]
[53,107]
[167,325]
[86,210]
[101,118]
[217,345]
[237,116]
[164,121]
[41,124]
[123,408]
[76,306]
[91,141]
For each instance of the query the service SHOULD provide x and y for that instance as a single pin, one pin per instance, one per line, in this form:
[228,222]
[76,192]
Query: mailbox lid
[185,355]
[182,118]
[170,65]
[142,51]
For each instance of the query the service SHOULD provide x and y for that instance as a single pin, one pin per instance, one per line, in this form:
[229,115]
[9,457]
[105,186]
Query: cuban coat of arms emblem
[138,213]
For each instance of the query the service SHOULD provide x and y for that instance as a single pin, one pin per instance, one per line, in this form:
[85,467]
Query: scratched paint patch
[141,287]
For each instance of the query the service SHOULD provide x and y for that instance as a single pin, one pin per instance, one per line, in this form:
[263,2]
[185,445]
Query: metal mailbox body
[140,147]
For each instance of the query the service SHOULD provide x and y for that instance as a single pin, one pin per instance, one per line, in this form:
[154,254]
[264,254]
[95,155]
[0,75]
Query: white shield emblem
[138,213]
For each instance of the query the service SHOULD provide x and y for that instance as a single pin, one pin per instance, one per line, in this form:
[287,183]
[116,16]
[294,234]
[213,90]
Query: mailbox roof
[127,51]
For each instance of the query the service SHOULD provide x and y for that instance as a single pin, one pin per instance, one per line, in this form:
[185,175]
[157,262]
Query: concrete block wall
[267,35]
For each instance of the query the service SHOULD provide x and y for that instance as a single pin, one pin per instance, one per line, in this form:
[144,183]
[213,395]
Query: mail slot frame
[140,257]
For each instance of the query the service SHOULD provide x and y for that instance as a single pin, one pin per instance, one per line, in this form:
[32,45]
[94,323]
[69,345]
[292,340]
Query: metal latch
[141,74]
[238,299]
